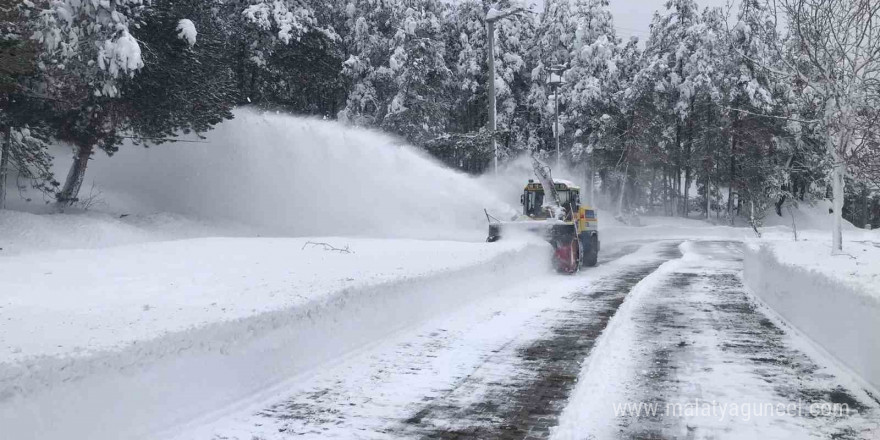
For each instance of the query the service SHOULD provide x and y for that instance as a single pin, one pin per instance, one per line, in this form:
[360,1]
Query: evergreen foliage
[711,114]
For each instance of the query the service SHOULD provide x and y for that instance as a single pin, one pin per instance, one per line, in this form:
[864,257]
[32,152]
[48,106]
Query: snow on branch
[186,30]
[290,20]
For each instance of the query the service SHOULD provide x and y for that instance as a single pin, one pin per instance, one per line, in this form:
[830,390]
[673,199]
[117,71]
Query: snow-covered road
[657,323]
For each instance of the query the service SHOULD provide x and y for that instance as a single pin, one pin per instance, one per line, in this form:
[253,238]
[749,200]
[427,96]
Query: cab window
[534,200]
[564,197]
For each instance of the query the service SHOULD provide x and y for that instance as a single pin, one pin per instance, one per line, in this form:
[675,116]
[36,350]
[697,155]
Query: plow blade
[546,230]
[562,236]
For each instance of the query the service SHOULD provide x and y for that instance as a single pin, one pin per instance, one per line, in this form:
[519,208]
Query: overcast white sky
[632,17]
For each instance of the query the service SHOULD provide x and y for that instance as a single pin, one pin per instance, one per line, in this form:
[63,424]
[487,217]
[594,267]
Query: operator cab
[533,199]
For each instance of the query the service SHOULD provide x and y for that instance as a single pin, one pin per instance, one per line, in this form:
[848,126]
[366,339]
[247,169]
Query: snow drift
[293,176]
[130,353]
[838,313]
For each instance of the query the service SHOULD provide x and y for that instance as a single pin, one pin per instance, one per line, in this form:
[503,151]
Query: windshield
[564,197]
[533,202]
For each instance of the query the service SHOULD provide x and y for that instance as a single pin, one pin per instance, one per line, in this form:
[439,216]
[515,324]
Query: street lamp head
[493,15]
[556,79]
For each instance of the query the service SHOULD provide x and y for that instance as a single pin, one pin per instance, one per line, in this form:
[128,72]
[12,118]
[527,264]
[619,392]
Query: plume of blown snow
[512,177]
[293,176]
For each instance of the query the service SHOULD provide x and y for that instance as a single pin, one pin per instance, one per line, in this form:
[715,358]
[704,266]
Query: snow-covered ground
[204,323]
[84,301]
[188,297]
[191,278]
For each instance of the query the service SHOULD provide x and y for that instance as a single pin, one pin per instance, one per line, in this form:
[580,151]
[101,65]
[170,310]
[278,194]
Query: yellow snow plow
[573,231]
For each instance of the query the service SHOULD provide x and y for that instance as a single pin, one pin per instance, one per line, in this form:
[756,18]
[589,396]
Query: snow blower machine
[569,226]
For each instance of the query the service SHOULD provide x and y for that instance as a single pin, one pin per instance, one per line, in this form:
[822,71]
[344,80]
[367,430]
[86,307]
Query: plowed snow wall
[150,389]
[840,318]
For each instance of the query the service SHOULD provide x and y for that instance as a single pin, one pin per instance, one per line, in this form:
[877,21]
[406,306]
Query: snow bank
[96,343]
[833,300]
[24,232]
[816,217]
[293,176]
[654,228]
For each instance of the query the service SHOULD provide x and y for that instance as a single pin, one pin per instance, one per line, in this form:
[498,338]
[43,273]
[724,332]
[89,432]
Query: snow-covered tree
[554,41]
[833,54]
[23,150]
[750,90]
[265,33]
[513,38]
[682,63]
[370,29]
[555,35]
[86,48]
[421,77]
[187,81]
[466,52]
[593,74]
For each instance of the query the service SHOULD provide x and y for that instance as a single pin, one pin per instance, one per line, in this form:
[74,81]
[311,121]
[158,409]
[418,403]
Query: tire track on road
[542,372]
[703,339]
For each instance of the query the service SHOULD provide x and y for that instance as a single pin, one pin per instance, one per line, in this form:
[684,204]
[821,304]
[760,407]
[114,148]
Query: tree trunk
[687,189]
[589,200]
[622,191]
[676,191]
[5,152]
[592,186]
[75,176]
[732,178]
[837,182]
[665,191]
[687,165]
[708,196]
[678,205]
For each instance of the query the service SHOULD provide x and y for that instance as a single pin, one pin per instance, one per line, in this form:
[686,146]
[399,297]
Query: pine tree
[186,83]
[554,42]
[514,116]
[466,54]
[675,38]
[264,36]
[23,140]
[421,78]
[369,32]
[85,49]
[593,76]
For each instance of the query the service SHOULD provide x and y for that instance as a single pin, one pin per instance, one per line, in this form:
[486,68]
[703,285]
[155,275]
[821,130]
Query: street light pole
[555,82]
[491,17]
[556,122]
[490,32]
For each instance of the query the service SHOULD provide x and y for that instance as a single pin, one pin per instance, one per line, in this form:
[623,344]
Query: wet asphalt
[696,323]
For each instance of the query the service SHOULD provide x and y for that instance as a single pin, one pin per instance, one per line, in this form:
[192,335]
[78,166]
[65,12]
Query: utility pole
[555,81]
[556,123]
[490,32]
[491,17]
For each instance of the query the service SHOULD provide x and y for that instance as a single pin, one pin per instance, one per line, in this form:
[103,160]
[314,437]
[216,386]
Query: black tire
[592,257]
